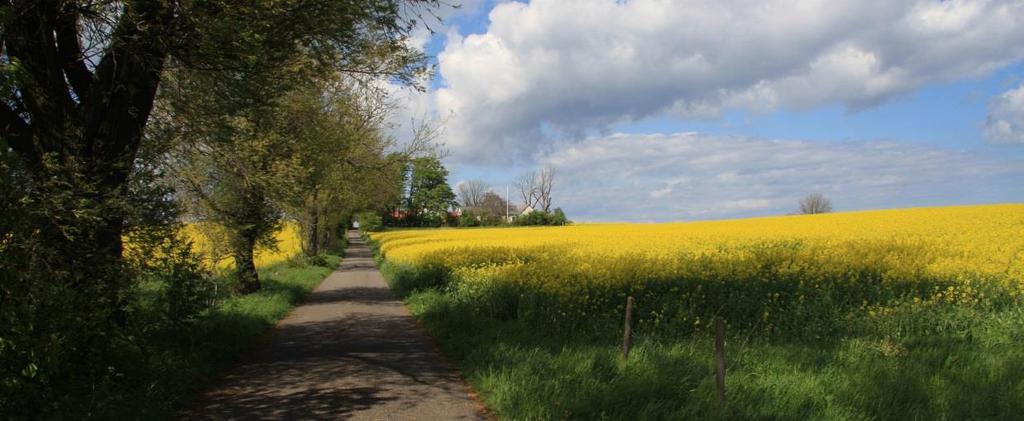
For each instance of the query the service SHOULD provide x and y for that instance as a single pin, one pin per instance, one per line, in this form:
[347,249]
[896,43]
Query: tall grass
[965,365]
[166,367]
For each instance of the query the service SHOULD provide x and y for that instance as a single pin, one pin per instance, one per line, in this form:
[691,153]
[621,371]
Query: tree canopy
[107,104]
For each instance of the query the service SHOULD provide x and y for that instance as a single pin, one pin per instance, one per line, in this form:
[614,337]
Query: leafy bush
[543,218]
[470,219]
[369,221]
[476,218]
[558,218]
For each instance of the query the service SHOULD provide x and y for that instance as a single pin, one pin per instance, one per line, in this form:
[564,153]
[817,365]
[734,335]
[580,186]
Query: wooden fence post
[720,359]
[629,328]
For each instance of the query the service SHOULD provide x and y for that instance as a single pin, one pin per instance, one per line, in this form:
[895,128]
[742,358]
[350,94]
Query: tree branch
[29,39]
[71,57]
[18,134]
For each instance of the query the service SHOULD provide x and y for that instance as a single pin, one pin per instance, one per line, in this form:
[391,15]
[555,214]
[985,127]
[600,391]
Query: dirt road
[351,351]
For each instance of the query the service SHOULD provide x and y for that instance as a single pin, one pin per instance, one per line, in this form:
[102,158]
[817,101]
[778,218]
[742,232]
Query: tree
[230,172]
[545,180]
[471,193]
[343,160]
[527,184]
[815,203]
[535,188]
[494,206]
[430,196]
[79,80]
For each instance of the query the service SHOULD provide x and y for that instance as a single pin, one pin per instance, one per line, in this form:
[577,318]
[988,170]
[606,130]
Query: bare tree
[528,185]
[535,188]
[545,179]
[815,203]
[471,193]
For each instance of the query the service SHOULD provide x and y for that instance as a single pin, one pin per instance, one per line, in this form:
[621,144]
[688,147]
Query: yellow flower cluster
[210,242]
[759,266]
[944,241]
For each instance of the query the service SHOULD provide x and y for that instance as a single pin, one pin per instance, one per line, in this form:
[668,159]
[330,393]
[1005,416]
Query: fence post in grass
[628,329]
[720,359]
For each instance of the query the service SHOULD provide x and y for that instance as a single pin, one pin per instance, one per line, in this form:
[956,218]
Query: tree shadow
[364,353]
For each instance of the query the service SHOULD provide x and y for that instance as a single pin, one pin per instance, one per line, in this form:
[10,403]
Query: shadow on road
[350,347]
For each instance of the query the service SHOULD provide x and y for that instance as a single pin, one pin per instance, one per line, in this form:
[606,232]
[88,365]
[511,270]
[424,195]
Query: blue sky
[733,125]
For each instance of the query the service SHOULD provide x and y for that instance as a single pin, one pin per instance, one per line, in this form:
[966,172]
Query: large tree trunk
[313,235]
[311,226]
[77,130]
[245,264]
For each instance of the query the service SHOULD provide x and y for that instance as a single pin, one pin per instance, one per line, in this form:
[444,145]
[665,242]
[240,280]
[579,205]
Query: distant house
[526,210]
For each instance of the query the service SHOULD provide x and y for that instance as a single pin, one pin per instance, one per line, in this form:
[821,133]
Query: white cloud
[1005,122]
[564,68]
[689,175]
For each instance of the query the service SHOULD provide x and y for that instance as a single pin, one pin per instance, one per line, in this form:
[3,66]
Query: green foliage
[558,218]
[480,218]
[406,279]
[66,295]
[470,218]
[172,286]
[430,196]
[340,163]
[77,175]
[543,218]
[164,363]
[866,376]
[837,343]
[369,221]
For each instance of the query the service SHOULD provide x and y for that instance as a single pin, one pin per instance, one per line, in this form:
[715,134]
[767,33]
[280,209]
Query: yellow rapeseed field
[754,269]
[210,243]
[946,240]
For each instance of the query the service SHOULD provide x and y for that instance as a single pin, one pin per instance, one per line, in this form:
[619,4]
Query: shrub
[543,218]
[369,221]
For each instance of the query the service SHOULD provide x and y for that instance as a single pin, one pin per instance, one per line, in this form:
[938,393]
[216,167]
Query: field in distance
[857,315]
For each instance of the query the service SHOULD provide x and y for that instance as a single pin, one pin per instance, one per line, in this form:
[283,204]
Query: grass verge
[967,365]
[173,365]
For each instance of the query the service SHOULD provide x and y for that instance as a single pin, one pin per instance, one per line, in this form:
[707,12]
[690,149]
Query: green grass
[173,365]
[936,363]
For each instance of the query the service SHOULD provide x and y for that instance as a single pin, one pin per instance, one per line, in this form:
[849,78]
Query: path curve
[350,351]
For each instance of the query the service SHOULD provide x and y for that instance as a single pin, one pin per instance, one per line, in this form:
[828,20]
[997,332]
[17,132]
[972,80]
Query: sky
[657,110]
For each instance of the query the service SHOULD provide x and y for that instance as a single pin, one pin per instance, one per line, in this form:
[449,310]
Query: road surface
[350,351]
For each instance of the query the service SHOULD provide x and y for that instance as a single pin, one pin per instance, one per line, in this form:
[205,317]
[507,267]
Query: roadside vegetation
[165,364]
[864,315]
[131,126]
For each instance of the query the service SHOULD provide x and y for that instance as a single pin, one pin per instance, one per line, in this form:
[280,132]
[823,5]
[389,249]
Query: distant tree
[815,203]
[430,196]
[471,193]
[527,186]
[535,188]
[545,179]
[493,205]
[342,161]
[558,217]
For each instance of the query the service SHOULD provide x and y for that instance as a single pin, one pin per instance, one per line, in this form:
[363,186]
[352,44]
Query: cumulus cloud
[694,176]
[565,68]
[1005,123]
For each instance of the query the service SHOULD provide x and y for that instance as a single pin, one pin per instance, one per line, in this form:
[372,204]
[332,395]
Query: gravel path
[351,351]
